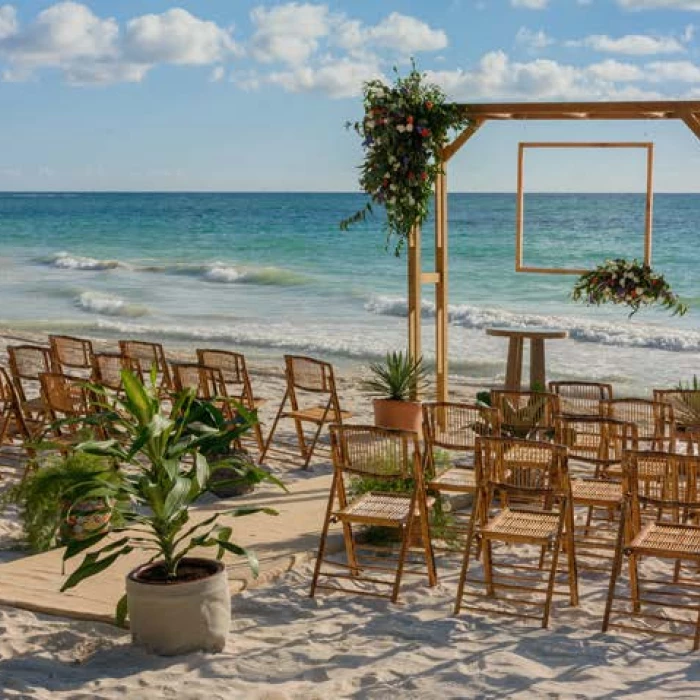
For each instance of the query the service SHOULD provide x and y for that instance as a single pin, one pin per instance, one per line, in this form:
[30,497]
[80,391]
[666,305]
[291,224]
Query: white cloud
[405,34]
[533,40]
[615,71]
[177,37]
[8,21]
[670,71]
[337,78]
[630,44]
[289,33]
[497,77]
[530,4]
[217,74]
[660,4]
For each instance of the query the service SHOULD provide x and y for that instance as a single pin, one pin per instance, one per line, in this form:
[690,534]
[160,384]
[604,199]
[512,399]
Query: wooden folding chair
[13,425]
[68,401]
[235,373]
[654,421]
[660,520]
[306,375]
[526,414]
[27,362]
[107,370]
[450,431]
[71,356]
[386,457]
[597,444]
[686,412]
[149,355]
[523,498]
[581,398]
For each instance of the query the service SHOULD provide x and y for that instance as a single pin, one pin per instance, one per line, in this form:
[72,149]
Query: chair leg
[349,538]
[310,450]
[274,427]
[324,537]
[616,568]
[465,561]
[696,640]
[550,585]
[405,539]
[488,567]
[571,553]
[634,582]
[428,550]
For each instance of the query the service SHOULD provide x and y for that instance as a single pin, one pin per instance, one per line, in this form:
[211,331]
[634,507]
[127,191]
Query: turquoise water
[270,273]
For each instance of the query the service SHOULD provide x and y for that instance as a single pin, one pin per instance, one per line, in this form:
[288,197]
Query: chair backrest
[581,398]
[233,369]
[456,426]
[309,374]
[685,403]
[522,412]
[595,439]
[27,362]
[654,420]
[376,453]
[10,408]
[524,470]
[207,382]
[148,355]
[65,396]
[665,484]
[107,369]
[69,353]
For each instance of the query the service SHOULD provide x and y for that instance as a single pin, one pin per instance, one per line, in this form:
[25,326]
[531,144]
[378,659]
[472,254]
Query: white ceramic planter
[182,617]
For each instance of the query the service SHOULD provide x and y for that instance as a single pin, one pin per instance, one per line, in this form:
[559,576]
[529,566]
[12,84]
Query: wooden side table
[514,364]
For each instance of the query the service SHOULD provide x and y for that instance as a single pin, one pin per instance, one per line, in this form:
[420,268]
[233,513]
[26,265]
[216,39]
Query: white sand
[285,645]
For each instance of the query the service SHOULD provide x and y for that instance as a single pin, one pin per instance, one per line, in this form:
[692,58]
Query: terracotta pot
[180,617]
[398,415]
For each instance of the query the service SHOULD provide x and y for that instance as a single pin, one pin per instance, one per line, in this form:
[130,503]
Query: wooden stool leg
[537,373]
[514,366]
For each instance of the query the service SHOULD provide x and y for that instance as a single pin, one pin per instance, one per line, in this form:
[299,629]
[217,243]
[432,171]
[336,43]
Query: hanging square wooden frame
[520,202]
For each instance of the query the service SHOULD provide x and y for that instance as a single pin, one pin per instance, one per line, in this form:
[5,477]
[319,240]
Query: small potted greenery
[177,603]
[396,380]
[49,514]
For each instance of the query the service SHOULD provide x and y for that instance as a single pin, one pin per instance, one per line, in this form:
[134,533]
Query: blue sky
[253,95]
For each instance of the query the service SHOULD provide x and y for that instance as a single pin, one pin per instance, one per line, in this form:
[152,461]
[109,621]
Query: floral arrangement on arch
[629,283]
[403,132]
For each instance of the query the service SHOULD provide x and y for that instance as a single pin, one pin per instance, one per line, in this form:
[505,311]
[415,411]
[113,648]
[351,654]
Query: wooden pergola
[479,114]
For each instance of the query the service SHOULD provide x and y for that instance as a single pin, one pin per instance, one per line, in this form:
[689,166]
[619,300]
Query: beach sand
[285,645]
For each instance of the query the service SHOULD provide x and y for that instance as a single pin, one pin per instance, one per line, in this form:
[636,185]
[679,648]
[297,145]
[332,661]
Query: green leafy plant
[405,126]
[520,422]
[167,473]
[398,377]
[46,496]
[629,283]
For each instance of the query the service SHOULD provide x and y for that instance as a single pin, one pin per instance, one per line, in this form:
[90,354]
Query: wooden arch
[479,114]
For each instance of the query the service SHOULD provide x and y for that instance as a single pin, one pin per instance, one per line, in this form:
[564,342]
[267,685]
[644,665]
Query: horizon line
[332,192]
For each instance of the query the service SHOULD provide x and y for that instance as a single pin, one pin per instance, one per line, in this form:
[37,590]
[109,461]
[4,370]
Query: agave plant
[165,473]
[398,377]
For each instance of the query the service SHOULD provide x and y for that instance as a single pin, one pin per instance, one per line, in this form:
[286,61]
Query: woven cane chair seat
[667,539]
[456,479]
[596,492]
[315,414]
[377,508]
[522,526]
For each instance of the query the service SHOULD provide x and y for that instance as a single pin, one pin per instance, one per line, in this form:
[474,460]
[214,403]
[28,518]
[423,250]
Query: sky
[239,95]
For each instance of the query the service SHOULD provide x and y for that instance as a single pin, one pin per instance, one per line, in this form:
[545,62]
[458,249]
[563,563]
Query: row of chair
[523,494]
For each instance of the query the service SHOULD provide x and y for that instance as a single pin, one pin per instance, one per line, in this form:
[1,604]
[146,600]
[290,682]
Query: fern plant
[398,377]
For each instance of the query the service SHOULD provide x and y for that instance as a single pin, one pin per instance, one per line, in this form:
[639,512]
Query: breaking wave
[67,261]
[621,334]
[108,305]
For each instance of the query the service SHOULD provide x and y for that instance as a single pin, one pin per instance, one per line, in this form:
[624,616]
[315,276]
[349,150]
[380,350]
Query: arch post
[441,287]
[414,298]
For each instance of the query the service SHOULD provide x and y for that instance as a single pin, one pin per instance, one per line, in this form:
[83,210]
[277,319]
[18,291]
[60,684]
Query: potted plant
[397,379]
[230,464]
[50,516]
[176,603]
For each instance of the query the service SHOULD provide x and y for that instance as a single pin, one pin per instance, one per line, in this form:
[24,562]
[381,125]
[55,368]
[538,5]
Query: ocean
[272,273]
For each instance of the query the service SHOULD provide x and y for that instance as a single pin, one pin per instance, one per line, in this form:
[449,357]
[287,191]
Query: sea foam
[621,334]
[109,305]
[67,261]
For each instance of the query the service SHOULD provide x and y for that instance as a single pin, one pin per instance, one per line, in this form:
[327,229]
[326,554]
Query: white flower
[392,186]
[370,124]
[400,128]
[409,127]
[387,176]
[639,291]
[391,159]
[397,165]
